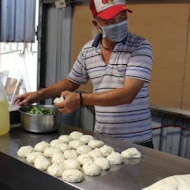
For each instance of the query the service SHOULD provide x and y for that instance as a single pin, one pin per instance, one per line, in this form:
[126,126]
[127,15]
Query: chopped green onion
[41,111]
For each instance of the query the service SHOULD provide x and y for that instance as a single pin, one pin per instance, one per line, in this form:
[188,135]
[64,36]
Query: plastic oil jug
[4,111]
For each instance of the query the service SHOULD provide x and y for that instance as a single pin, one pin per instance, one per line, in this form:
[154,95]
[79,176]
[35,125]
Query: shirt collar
[125,39]
[97,40]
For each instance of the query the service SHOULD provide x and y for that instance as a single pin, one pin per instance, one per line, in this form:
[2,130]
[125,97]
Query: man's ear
[94,22]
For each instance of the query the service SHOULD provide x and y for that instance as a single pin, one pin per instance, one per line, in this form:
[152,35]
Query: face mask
[115,32]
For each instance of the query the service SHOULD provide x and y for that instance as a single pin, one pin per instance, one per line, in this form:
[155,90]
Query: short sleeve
[78,73]
[140,63]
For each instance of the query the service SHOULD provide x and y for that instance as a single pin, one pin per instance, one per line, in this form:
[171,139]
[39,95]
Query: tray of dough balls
[74,157]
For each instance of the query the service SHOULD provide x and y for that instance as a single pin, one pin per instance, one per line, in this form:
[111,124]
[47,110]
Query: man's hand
[27,98]
[71,102]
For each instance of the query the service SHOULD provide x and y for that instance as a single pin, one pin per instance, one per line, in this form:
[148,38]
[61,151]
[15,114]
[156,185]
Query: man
[119,65]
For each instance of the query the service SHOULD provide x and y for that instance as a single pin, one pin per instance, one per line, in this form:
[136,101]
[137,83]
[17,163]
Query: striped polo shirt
[132,57]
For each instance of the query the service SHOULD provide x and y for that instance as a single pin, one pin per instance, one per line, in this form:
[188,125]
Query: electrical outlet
[60,3]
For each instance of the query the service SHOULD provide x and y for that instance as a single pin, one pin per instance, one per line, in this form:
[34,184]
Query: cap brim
[113,11]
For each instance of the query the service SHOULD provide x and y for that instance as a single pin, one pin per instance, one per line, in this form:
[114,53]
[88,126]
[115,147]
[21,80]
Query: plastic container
[4,111]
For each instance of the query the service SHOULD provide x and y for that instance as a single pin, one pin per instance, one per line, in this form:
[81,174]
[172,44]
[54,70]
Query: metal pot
[39,123]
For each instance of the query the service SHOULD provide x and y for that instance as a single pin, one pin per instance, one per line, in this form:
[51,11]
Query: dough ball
[75,143]
[55,142]
[56,169]
[58,100]
[106,150]
[103,163]
[65,138]
[50,151]
[84,158]
[91,169]
[58,158]
[86,138]
[32,156]
[70,154]
[41,146]
[72,176]
[95,143]
[131,153]
[64,147]
[164,187]
[175,182]
[41,163]
[71,164]
[24,151]
[96,153]
[75,135]
[83,149]
[115,158]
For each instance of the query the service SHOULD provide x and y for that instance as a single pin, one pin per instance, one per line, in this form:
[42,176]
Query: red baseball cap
[107,9]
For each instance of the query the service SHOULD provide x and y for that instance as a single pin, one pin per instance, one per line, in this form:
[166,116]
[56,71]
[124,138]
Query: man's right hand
[27,98]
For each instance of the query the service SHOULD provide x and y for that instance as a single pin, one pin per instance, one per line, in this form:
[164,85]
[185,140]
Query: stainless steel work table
[132,175]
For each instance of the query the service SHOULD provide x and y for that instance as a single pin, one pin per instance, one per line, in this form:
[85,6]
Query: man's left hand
[71,102]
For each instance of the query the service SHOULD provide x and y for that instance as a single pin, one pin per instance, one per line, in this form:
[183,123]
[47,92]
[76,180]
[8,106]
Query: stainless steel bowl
[39,123]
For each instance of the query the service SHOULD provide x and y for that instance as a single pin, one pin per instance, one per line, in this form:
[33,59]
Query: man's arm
[115,97]
[49,92]
[56,89]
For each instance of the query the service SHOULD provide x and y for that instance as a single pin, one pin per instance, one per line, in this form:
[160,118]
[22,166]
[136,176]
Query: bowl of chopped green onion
[39,118]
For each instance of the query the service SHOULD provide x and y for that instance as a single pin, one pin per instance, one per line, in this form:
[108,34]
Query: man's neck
[107,44]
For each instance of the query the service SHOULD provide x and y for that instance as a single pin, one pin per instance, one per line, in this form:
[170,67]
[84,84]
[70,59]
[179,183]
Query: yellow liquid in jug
[4,117]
